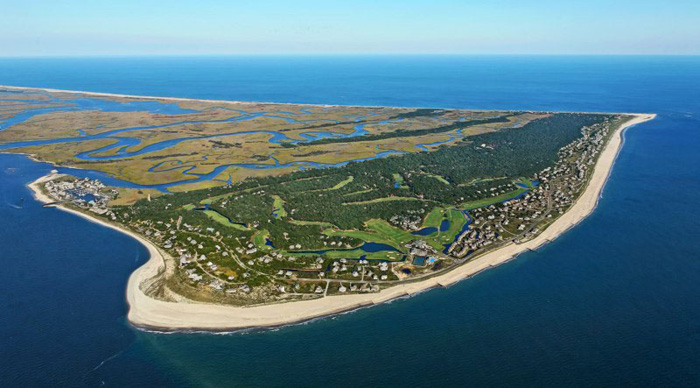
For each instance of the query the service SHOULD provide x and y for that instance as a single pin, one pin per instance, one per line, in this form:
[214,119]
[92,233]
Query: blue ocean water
[615,301]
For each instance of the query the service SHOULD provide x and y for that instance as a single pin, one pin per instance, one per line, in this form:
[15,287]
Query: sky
[177,27]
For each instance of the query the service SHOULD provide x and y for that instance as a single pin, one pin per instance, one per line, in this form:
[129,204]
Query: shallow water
[615,301]
[123,143]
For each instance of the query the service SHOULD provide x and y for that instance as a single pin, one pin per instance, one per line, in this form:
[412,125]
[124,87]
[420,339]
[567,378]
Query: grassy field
[382,232]
[317,223]
[473,181]
[399,182]
[355,254]
[259,239]
[386,199]
[342,184]
[278,210]
[434,218]
[492,200]
[358,192]
[457,221]
[214,216]
[379,231]
[439,178]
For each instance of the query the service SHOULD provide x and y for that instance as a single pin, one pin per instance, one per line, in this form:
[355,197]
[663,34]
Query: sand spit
[150,313]
[181,99]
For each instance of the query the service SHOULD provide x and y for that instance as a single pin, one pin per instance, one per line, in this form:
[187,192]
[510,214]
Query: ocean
[613,302]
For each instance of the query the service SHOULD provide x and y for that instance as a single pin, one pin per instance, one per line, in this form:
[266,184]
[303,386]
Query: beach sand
[149,313]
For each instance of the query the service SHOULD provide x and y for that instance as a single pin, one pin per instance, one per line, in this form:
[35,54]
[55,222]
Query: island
[266,214]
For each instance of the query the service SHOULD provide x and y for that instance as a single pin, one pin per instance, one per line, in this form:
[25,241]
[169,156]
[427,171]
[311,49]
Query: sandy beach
[149,313]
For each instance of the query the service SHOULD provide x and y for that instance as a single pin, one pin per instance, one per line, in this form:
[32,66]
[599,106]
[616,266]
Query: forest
[405,188]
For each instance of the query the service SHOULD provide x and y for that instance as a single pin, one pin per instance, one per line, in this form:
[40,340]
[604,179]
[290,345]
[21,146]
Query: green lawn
[358,192]
[317,223]
[386,199]
[399,182]
[379,231]
[214,216]
[382,232]
[439,178]
[478,180]
[434,218]
[354,254]
[278,210]
[457,221]
[527,182]
[342,184]
[260,239]
[360,234]
[339,254]
[491,200]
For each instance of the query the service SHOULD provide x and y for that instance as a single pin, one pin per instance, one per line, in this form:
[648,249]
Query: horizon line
[39,56]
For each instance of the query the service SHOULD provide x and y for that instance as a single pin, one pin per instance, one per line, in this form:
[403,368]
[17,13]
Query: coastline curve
[153,314]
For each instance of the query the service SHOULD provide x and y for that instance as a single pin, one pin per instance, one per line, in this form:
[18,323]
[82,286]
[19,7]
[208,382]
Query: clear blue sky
[137,27]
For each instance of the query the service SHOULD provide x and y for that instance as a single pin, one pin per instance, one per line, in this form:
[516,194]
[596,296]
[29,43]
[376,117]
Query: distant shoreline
[148,313]
[180,99]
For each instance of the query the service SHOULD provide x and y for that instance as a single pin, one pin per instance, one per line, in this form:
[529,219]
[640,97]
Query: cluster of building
[420,253]
[90,194]
[361,287]
[410,221]
[519,219]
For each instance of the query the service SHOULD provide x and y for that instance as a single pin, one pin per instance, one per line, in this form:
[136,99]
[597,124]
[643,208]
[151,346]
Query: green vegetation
[418,132]
[386,199]
[378,231]
[316,218]
[259,239]
[321,200]
[434,218]
[223,220]
[358,192]
[480,180]
[317,223]
[399,182]
[439,178]
[255,235]
[278,207]
[342,184]
[490,201]
[457,221]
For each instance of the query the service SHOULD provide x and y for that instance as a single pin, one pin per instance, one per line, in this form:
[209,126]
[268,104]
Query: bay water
[614,301]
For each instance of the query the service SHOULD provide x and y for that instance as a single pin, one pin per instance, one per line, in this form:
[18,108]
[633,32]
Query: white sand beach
[150,313]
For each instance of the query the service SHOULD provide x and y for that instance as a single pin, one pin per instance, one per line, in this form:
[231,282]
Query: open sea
[613,302]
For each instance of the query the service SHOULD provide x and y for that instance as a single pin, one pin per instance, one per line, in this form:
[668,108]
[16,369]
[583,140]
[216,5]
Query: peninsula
[266,214]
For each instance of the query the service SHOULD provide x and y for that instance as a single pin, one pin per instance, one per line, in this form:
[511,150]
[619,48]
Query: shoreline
[182,99]
[152,314]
